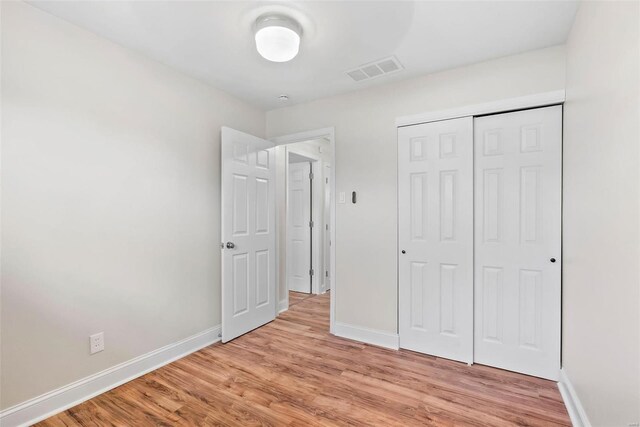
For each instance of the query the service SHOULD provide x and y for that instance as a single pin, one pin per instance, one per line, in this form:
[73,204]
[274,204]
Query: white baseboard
[53,402]
[283,306]
[572,402]
[366,335]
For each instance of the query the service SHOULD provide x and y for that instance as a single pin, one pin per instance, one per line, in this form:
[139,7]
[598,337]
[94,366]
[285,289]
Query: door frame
[543,99]
[326,216]
[329,134]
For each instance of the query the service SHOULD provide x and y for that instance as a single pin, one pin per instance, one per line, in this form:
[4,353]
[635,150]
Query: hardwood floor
[297,297]
[293,372]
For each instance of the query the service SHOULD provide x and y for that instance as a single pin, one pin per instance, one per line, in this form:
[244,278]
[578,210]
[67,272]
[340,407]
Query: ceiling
[213,40]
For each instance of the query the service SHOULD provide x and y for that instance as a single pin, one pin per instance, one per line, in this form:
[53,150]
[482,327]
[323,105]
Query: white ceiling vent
[375,69]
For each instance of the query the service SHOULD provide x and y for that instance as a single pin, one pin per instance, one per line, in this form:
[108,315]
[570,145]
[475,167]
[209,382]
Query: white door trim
[528,101]
[329,134]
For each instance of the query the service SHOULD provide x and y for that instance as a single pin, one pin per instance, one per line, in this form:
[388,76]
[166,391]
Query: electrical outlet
[96,342]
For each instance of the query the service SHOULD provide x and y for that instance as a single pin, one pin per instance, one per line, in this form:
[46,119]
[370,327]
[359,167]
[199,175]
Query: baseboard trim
[366,335]
[575,409]
[283,306]
[53,402]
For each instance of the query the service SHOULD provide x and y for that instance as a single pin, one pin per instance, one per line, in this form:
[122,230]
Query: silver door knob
[230,245]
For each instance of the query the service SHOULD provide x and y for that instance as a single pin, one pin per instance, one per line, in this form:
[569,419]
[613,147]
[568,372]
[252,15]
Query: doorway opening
[254,197]
[304,219]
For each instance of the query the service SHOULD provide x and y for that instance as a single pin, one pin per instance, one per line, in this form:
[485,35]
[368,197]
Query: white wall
[110,202]
[366,161]
[601,282]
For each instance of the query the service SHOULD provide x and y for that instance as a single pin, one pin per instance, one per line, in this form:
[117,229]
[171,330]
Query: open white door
[298,228]
[248,233]
[435,230]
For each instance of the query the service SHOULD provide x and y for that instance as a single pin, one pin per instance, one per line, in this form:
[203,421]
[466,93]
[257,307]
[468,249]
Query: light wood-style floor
[293,372]
[297,297]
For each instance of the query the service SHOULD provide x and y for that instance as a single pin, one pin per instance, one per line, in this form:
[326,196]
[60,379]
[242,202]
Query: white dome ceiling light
[277,37]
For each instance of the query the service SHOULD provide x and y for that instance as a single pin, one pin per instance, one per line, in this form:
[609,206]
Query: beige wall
[601,283]
[110,202]
[366,161]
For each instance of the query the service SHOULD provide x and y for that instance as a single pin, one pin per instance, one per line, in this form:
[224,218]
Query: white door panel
[248,223]
[299,232]
[435,227]
[518,159]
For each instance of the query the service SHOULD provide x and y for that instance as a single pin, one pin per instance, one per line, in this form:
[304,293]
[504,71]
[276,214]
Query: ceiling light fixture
[277,37]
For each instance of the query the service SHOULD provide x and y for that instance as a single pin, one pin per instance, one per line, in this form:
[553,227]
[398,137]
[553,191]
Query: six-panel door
[435,229]
[298,230]
[518,162]
[248,233]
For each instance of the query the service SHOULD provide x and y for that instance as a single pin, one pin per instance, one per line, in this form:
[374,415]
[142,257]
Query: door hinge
[311,175]
[326,273]
[326,226]
[311,272]
[311,224]
[326,180]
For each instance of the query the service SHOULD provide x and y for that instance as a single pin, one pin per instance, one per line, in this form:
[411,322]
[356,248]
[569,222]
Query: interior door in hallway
[435,237]
[248,233]
[518,160]
[298,227]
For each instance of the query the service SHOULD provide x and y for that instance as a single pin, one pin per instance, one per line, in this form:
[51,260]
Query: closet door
[435,237]
[518,160]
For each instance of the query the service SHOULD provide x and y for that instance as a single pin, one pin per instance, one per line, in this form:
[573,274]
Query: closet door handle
[552,260]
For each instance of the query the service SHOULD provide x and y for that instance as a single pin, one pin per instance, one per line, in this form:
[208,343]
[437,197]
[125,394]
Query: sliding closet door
[518,160]
[435,236]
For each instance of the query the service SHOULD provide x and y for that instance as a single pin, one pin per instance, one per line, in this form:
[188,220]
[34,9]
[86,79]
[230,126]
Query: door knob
[230,245]
[404,252]
[552,260]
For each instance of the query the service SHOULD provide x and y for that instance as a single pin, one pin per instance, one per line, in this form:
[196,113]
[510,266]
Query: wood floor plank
[297,297]
[293,372]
